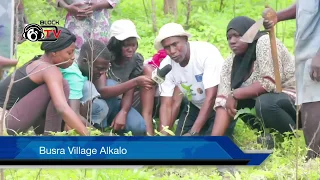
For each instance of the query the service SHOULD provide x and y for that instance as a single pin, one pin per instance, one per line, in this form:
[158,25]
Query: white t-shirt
[201,73]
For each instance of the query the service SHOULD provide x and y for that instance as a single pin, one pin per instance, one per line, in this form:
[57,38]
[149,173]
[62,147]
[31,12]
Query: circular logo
[32,32]
[199,90]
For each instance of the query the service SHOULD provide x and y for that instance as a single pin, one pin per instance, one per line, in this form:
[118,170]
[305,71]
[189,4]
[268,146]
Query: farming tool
[249,36]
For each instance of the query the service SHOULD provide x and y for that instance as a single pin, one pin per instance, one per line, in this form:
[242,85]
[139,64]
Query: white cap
[169,30]
[123,29]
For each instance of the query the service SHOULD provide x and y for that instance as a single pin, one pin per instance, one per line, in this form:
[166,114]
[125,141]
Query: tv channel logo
[36,32]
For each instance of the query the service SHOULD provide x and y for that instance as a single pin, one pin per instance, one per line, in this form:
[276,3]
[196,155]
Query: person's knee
[139,128]
[264,104]
[136,124]
[111,82]
[86,86]
[89,92]
[100,110]
[147,70]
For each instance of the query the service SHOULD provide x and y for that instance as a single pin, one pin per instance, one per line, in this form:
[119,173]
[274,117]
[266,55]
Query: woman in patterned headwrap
[38,97]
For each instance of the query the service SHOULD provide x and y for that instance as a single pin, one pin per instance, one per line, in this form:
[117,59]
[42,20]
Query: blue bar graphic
[124,148]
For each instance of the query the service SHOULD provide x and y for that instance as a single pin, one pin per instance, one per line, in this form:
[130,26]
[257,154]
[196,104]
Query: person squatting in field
[99,89]
[150,99]
[126,68]
[247,81]
[38,97]
[196,68]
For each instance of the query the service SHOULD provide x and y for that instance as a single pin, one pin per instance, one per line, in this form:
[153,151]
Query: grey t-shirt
[128,70]
[306,46]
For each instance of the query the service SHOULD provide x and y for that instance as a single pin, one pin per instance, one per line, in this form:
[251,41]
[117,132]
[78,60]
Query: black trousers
[187,119]
[276,111]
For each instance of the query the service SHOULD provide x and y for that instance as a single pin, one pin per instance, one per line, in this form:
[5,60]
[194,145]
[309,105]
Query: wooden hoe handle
[270,15]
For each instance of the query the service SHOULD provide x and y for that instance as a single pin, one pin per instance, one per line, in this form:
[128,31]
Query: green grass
[280,165]
[207,23]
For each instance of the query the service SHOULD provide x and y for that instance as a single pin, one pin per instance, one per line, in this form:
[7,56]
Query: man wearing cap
[195,70]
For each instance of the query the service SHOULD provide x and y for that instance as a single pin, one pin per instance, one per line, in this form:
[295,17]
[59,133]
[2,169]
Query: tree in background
[170,7]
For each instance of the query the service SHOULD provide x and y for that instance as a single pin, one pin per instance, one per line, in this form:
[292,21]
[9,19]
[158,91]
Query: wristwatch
[192,133]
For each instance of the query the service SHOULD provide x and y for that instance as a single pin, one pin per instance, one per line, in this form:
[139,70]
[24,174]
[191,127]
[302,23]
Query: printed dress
[96,27]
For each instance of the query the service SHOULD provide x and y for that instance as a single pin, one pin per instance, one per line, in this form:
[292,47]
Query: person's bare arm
[119,121]
[5,62]
[61,3]
[251,91]
[283,15]
[287,14]
[166,113]
[221,122]
[112,91]
[266,80]
[127,100]
[54,80]
[176,104]
[75,106]
[206,109]
[315,67]
[175,109]
[101,5]
[21,10]
[75,9]
[176,101]
[211,79]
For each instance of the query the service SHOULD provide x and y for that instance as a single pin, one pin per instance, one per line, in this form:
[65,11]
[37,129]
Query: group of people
[88,79]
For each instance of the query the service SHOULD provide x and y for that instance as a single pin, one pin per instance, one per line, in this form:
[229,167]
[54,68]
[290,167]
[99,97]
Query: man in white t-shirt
[195,70]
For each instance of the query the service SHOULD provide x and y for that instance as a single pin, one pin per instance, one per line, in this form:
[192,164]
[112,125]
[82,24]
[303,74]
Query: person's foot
[266,140]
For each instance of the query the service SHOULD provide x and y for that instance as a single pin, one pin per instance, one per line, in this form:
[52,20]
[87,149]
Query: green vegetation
[206,23]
